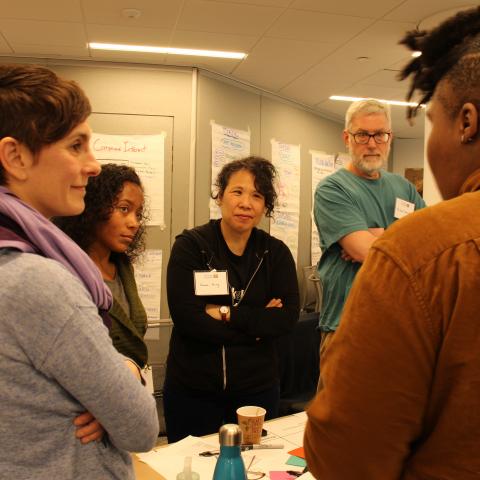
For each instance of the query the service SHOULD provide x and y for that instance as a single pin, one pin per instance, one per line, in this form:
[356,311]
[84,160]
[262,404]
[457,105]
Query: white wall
[411,153]
[431,194]
[407,153]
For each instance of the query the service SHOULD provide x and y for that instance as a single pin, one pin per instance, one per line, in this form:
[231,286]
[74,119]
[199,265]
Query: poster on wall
[144,153]
[415,175]
[227,144]
[323,164]
[148,277]
[341,160]
[284,224]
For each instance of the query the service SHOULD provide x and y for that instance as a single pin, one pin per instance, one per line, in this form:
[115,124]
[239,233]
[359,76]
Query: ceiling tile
[128,35]
[382,78]
[264,3]
[375,91]
[157,14]
[212,41]
[317,27]
[266,64]
[219,65]
[66,51]
[366,9]
[315,85]
[53,10]
[415,11]
[231,18]
[379,43]
[43,33]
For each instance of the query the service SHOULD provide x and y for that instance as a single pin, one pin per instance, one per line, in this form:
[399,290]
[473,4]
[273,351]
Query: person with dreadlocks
[401,379]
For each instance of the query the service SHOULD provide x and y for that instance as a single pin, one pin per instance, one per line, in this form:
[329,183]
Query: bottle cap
[230,435]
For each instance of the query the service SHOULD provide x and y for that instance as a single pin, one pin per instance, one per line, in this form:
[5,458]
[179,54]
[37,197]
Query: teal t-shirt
[346,203]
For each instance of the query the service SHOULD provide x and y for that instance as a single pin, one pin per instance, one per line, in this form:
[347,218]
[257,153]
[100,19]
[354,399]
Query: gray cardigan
[56,361]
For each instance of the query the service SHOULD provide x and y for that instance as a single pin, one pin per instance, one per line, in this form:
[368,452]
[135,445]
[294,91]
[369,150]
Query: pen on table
[258,446]
[245,448]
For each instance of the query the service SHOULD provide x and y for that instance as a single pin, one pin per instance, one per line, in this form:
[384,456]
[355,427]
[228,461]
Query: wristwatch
[224,311]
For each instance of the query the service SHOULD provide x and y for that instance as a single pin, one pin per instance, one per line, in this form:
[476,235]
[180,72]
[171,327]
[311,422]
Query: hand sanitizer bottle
[187,473]
[230,464]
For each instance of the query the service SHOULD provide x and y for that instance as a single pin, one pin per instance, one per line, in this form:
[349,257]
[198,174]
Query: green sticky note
[296,461]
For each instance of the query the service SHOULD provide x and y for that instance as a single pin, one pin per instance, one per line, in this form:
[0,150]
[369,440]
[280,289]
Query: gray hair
[367,107]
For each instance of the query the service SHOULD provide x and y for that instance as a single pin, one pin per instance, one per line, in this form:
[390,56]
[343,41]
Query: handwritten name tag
[402,208]
[214,282]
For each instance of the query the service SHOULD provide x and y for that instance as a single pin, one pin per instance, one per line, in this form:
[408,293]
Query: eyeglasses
[362,138]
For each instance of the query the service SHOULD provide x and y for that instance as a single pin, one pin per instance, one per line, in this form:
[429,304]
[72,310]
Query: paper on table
[169,460]
[267,460]
[306,476]
[289,428]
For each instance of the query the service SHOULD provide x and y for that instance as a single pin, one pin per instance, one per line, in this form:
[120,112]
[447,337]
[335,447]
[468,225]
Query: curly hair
[262,170]
[100,199]
[450,51]
[37,107]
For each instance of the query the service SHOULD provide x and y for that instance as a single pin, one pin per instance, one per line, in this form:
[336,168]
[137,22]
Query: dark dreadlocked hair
[450,51]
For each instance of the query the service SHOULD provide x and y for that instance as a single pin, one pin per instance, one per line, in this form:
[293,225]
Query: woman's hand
[88,428]
[274,303]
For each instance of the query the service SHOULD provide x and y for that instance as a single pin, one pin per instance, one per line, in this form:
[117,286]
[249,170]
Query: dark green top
[127,331]
[346,203]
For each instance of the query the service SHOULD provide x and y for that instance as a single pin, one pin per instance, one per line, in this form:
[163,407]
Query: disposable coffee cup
[250,420]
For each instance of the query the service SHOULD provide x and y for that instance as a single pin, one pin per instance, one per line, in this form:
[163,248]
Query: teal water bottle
[230,464]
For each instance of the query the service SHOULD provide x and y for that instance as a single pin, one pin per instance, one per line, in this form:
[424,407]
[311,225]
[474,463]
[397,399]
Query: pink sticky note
[281,476]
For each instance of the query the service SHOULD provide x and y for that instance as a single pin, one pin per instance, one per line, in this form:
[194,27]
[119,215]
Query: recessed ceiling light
[132,13]
[168,50]
[416,54]
[389,102]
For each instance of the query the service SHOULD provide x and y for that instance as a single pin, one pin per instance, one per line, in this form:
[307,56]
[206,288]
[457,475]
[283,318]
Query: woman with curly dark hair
[232,288]
[111,231]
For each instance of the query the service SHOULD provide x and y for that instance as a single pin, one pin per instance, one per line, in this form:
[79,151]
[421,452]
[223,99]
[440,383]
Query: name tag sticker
[214,282]
[402,208]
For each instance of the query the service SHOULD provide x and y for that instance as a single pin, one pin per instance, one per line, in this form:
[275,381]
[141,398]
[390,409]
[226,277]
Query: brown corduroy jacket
[401,377]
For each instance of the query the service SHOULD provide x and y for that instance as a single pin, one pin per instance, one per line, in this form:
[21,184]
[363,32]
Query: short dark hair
[450,51]
[37,107]
[263,172]
[100,199]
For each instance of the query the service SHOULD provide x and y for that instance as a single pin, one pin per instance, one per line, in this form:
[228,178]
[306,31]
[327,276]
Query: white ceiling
[302,50]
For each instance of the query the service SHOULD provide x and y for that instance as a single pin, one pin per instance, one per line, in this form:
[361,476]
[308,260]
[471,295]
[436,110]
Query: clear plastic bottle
[230,464]
[187,473]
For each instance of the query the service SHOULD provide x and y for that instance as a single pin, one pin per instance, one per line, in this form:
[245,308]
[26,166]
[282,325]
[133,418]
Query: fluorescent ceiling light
[390,102]
[168,50]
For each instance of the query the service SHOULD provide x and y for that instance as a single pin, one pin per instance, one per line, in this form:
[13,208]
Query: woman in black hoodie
[232,289]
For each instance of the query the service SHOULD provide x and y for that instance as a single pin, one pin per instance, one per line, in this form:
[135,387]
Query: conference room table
[287,431]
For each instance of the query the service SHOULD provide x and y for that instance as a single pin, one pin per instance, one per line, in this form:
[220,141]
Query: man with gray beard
[355,205]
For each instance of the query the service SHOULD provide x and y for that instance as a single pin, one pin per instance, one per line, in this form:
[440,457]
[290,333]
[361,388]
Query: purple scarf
[45,239]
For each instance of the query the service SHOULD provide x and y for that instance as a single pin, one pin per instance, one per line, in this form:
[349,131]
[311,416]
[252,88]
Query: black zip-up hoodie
[208,355]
